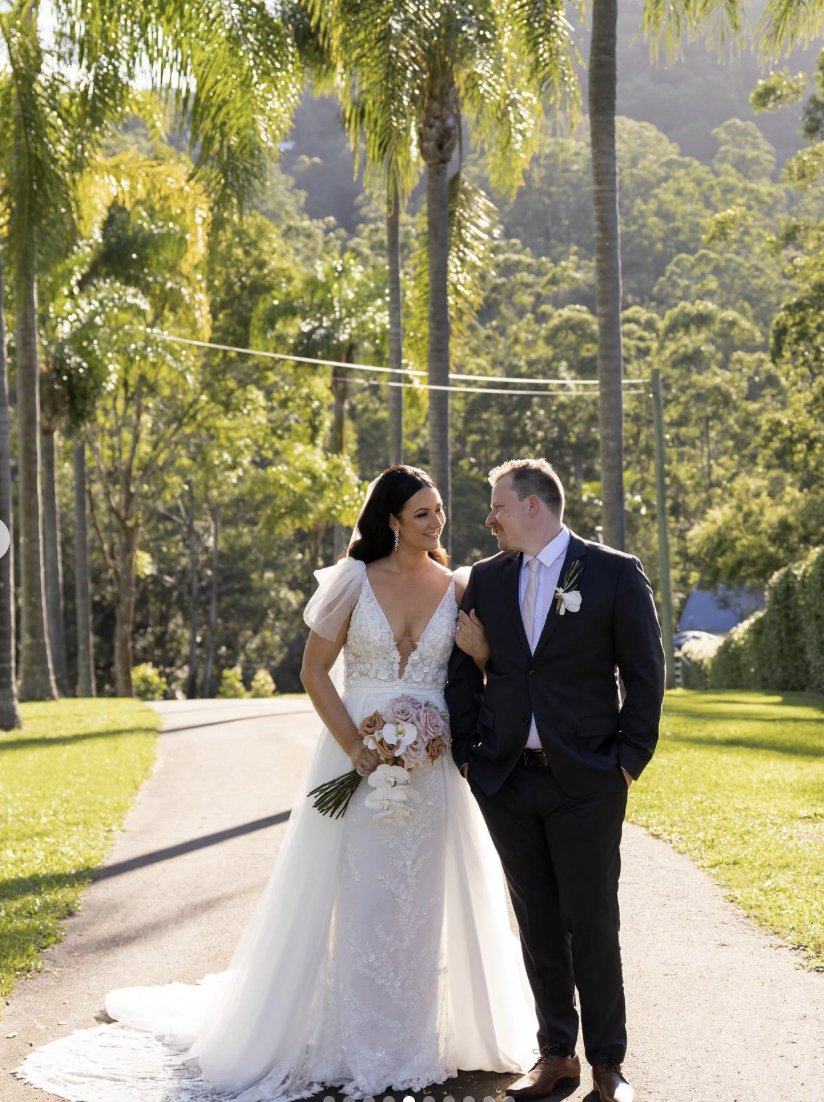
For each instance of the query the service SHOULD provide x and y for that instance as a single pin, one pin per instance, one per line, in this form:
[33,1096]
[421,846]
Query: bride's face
[422,520]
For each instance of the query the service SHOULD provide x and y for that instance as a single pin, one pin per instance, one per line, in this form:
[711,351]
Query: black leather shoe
[548,1073]
[610,1083]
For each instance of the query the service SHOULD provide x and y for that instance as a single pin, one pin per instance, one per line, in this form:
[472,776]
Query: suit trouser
[561,857]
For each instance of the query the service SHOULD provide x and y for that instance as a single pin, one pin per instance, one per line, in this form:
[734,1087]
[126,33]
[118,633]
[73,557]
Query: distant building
[718,610]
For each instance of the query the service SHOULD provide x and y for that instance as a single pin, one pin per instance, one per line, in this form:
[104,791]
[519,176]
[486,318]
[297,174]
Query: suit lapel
[577,550]
[510,592]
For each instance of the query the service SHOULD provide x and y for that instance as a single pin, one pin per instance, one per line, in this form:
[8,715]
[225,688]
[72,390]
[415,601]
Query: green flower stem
[332,797]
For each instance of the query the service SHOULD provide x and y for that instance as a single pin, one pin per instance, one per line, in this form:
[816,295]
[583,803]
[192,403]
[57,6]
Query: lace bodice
[371,655]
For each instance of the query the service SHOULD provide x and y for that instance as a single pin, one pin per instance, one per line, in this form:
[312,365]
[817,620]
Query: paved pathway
[718,1011]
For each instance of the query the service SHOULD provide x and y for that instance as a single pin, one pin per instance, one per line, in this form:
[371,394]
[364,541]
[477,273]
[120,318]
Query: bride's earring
[395,538]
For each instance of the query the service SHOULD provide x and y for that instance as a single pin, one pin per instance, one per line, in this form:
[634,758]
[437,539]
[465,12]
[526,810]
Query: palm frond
[39,150]
[787,23]
[382,80]
[233,70]
[669,26]
[473,228]
[543,35]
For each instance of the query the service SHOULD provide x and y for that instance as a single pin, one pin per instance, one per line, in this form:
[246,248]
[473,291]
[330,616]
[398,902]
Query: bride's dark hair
[390,493]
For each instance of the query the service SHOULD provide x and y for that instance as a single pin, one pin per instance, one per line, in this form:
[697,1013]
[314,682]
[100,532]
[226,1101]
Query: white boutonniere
[567,597]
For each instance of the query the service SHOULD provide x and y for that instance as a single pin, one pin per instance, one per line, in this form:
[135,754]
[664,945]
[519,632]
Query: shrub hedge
[231,684]
[782,646]
[148,683]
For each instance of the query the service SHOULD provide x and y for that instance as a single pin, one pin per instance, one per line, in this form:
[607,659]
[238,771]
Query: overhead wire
[581,386]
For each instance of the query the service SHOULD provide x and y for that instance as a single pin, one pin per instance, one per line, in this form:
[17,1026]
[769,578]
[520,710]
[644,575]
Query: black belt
[534,759]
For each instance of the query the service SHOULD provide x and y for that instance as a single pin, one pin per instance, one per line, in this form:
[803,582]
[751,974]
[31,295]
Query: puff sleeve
[330,606]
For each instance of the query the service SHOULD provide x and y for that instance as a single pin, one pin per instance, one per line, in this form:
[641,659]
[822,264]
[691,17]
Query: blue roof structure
[718,610]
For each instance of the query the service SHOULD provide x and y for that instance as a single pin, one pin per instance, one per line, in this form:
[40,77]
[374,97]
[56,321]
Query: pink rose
[416,752]
[434,725]
[403,710]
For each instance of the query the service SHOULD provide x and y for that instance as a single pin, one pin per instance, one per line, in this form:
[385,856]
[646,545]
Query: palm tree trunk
[36,674]
[9,711]
[393,248]
[602,96]
[82,599]
[211,627]
[53,562]
[194,586]
[439,136]
[340,393]
[124,609]
[341,377]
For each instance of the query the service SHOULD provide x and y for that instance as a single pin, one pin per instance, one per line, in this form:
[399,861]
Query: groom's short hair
[533,476]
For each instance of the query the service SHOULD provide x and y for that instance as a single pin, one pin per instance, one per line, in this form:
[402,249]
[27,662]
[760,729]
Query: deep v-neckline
[421,637]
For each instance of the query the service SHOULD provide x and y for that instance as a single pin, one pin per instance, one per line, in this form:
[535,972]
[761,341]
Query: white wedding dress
[380,955]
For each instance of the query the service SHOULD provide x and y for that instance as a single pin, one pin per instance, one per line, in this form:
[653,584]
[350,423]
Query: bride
[380,955]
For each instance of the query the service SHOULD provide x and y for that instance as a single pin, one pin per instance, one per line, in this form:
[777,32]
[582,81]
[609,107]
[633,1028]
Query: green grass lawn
[67,779]
[737,783]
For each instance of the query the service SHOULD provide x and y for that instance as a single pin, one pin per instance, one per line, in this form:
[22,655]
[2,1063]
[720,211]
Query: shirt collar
[553,551]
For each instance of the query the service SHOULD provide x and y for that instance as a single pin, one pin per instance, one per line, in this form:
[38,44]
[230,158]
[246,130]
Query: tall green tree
[36,138]
[9,711]
[234,78]
[602,99]
[412,74]
[393,255]
[603,77]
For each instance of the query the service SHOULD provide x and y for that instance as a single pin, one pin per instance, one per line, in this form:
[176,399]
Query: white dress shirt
[550,560]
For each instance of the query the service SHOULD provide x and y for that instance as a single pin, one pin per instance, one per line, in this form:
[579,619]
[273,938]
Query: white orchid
[393,793]
[399,736]
[568,600]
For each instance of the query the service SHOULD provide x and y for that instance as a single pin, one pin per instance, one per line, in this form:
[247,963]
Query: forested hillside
[218,481]
[685,97]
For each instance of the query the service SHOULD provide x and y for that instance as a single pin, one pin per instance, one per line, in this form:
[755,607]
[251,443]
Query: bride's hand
[471,637]
[364,760]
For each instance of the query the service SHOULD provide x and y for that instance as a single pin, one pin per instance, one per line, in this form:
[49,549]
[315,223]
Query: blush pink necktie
[528,604]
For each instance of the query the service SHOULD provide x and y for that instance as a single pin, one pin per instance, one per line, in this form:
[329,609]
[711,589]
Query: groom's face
[508,516]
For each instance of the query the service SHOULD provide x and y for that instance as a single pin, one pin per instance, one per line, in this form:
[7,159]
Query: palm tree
[85,685]
[234,75]
[30,117]
[438,137]
[602,96]
[9,712]
[667,24]
[393,255]
[408,73]
[52,415]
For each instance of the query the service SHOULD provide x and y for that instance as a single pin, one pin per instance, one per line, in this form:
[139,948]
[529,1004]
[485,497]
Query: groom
[550,744]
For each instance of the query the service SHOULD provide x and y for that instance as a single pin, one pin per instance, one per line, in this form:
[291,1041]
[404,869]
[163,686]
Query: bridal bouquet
[407,734]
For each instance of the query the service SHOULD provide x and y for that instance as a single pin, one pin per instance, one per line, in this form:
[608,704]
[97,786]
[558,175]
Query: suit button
[475,745]
[531,672]
[525,722]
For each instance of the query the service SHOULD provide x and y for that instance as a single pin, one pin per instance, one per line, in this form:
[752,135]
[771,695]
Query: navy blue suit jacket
[587,729]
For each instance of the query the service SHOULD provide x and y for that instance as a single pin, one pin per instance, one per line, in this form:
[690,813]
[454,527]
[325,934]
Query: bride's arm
[319,657]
